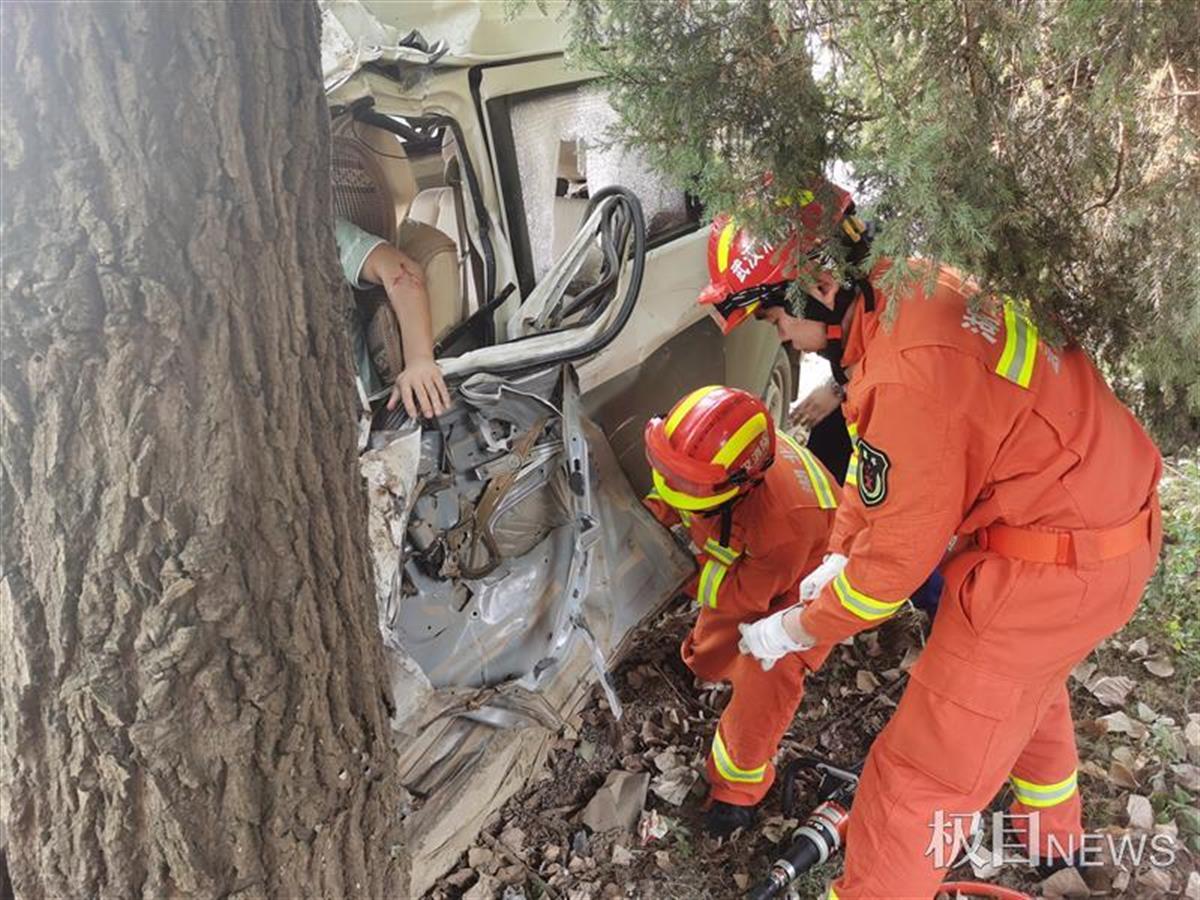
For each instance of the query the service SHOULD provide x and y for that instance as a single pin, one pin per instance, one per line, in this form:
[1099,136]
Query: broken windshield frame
[512,187]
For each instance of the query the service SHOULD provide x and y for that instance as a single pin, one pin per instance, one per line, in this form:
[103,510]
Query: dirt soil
[537,847]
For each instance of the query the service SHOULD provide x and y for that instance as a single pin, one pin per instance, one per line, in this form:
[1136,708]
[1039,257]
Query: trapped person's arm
[368,259]
[420,385]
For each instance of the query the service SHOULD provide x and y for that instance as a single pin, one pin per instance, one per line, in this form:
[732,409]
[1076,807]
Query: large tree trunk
[193,689]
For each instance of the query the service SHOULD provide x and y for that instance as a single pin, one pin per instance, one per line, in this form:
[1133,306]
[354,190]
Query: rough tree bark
[193,686]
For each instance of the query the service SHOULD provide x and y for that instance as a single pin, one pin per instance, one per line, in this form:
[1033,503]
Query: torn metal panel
[482,601]
[463,770]
[493,629]
[352,36]
[438,836]
[486,670]
[426,32]
[390,470]
[512,558]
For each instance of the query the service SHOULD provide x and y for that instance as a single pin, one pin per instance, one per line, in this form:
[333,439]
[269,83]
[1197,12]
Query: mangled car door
[512,557]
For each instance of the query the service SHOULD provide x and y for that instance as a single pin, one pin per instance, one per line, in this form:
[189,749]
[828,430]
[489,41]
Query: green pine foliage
[1051,147]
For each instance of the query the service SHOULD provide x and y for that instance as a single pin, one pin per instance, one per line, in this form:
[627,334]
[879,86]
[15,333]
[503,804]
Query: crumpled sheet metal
[473,717]
[390,472]
[352,36]
[502,630]
[640,566]
[464,769]
[602,566]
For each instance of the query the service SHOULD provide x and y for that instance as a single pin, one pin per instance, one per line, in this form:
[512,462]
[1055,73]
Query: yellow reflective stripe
[863,605]
[720,552]
[826,496]
[1043,795]
[723,244]
[680,500]
[685,517]
[729,770]
[1020,347]
[711,577]
[685,407]
[741,439]
[852,469]
[832,894]
[653,495]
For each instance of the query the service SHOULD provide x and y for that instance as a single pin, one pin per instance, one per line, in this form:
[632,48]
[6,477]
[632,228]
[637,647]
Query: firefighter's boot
[723,819]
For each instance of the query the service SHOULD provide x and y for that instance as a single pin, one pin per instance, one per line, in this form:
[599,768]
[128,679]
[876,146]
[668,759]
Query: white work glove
[767,640]
[814,582]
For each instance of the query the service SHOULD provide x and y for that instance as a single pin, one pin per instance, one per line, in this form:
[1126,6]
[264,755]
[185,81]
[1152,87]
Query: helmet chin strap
[857,243]
[725,510]
[814,309]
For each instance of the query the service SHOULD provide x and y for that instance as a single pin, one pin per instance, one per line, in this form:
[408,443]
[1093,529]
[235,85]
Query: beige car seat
[360,195]
[435,206]
[439,207]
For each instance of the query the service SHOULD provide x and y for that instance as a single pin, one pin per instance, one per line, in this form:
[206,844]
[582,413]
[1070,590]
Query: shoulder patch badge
[873,465]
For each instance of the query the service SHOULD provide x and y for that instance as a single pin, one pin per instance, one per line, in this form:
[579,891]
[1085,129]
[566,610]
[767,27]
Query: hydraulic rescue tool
[823,832]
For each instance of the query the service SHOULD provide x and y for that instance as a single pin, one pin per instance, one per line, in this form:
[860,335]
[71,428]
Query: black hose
[765,890]
[618,222]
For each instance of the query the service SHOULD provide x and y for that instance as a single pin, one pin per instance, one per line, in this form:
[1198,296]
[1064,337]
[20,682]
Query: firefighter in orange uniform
[759,508]
[970,431]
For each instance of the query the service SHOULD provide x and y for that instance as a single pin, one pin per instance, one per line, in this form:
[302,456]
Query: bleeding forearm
[404,283]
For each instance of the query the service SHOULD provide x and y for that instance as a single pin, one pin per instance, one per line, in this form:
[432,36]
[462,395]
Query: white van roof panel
[455,32]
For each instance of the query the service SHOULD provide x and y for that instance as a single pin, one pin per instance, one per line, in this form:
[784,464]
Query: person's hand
[814,582]
[422,386]
[770,639]
[816,406]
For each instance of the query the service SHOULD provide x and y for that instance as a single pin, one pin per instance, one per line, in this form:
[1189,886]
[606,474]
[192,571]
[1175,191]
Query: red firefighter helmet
[715,443]
[742,271]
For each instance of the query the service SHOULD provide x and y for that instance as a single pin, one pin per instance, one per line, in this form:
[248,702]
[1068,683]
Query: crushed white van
[513,557]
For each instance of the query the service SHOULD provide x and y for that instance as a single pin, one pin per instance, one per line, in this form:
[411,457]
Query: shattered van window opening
[566,134]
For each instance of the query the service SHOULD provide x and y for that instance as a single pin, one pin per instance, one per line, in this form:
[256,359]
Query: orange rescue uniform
[970,429]
[778,534]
